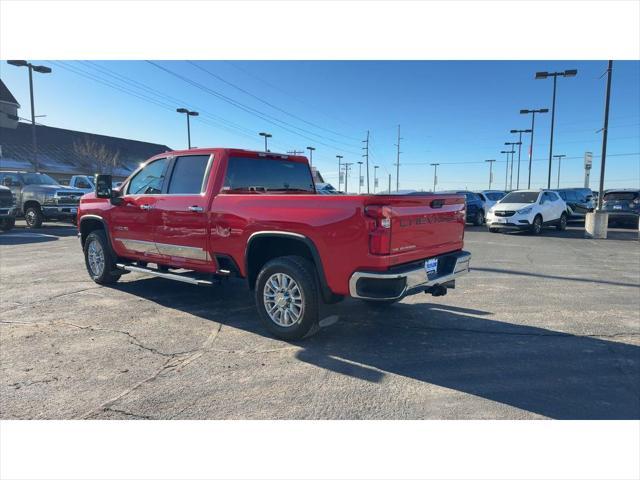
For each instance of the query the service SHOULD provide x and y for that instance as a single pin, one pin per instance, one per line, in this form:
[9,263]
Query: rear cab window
[189,175]
[266,175]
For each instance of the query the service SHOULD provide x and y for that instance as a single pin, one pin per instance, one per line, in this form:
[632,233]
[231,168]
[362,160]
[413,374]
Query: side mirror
[103,185]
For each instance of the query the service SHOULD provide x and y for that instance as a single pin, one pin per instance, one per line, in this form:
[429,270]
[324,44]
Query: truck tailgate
[424,226]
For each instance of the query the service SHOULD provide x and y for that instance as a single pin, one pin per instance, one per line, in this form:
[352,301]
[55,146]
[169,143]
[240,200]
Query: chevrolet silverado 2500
[201,214]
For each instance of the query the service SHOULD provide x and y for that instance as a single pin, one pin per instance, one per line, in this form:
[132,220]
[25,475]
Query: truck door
[182,231]
[133,222]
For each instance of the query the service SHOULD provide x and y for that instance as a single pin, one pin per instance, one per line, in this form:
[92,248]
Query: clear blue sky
[457,113]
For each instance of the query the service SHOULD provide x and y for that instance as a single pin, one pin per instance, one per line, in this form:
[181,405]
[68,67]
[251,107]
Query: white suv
[528,210]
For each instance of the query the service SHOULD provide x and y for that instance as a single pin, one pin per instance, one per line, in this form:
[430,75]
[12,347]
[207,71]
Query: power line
[535,159]
[264,116]
[208,72]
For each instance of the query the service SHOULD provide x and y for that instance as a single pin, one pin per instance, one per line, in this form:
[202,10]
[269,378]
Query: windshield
[262,175]
[38,179]
[494,196]
[520,197]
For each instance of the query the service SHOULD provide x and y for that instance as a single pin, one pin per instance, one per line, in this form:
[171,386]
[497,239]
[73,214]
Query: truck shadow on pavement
[546,372]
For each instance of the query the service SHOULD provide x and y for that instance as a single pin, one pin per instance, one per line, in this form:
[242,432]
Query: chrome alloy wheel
[30,217]
[283,300]
[95,254]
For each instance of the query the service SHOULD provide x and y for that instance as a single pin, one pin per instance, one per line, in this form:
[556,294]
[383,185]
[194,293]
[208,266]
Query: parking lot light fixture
[435,175]
[490,171]
[188,114]
[511,168]
[339,157]
[506,176]
[311,149]
[39,69]
[266,136]
[520,132]
[555,75]
[533,123]
[559,157]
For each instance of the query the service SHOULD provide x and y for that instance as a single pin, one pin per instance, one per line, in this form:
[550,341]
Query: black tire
[562,223]
[479,218]
[7,224]
[303,273]
[105,275]
[33,217]
[536,226]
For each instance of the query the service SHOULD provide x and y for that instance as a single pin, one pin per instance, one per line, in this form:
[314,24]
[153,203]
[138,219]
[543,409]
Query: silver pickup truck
[40,198]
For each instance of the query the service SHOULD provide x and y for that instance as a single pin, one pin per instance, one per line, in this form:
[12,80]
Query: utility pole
[605,132]
[490,171]
[520,132]
[347,166]
[375,177]
[588,161]
[559,157]
[435,175]
[360,182]
[339,157]
[366,155]
[389,184]
[398,162]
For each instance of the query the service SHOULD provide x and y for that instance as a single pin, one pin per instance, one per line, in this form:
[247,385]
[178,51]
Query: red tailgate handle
[437,203]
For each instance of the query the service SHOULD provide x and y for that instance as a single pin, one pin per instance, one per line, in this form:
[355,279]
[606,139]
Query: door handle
[195,208]
[146,207]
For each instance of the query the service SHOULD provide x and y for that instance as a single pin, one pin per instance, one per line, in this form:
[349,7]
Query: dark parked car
[475,206]
[7,209]
[623,206]
[579,201]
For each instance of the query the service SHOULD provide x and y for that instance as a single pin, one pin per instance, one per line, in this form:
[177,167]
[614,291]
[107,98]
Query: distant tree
[98,156]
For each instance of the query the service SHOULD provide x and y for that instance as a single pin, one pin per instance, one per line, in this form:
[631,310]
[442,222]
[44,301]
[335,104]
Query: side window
[150,179]
[189,175]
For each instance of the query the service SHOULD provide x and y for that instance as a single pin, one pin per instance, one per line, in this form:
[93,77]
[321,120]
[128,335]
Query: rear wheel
[536,226]
[98,259]
[7,224]
[479,218]
[287,298]
[562,223]
[34,217]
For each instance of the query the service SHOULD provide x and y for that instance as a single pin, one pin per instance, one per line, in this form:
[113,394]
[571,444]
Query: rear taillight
[379,229]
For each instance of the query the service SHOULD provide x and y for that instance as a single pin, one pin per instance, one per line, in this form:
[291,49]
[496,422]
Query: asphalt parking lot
[543,327]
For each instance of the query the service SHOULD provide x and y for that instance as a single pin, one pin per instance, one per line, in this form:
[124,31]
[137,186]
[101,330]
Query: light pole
[533,122]
[435,175]
[511,175]
[375,177]
[506,175]
[559,157]
[555,75]
[490,171]
[339,157]
[266,136]
[520,132]
[347,166]
[188,114]
[311,149]
[39,69]
[359,177]
[605,132]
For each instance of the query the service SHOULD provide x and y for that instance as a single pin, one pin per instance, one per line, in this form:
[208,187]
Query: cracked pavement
[543,327]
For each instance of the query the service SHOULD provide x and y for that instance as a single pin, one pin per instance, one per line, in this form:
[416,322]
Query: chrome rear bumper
[408,279]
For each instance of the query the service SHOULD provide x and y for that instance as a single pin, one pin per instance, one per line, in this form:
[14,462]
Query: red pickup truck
[201,214]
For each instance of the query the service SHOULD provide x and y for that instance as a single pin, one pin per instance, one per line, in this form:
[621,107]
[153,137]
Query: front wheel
[287,299]
[562,223]
[33,217]
[536,226]
[99,260]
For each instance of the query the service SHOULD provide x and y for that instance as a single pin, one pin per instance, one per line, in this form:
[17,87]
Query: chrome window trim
[205,178]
